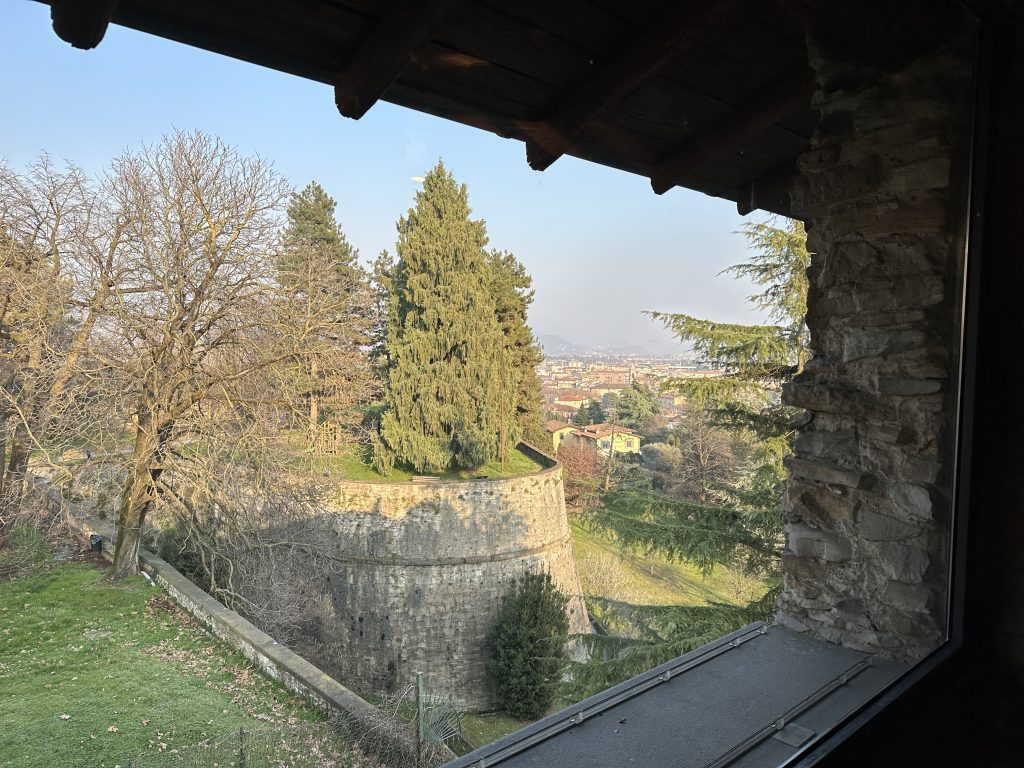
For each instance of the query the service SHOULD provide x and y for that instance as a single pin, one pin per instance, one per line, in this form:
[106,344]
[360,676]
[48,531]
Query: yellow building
[559,431]
[604,438]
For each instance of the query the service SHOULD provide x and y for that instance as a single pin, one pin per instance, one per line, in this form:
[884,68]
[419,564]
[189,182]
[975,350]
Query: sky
[600,245]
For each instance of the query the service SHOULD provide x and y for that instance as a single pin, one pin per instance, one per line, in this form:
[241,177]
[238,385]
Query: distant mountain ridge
[558,345]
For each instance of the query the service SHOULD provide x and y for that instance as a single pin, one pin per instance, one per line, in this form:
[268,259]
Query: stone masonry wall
[869,495]
[424,567]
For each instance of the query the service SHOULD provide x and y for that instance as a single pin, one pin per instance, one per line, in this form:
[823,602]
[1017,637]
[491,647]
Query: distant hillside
[556,345]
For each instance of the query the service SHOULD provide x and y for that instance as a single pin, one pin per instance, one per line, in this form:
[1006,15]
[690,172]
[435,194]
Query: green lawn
[96,674]
[606,570]
[483,729]
[356,466]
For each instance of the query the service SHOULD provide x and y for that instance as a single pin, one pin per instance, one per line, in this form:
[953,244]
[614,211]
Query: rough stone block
[820,442]
[912,500]
[829,473]
[876,527]
[851,605]
[909,387]
[784,619]
[802,568]
[837,549]
[832,502]
[903,562]
[919,470]
[804,541]
[910,597]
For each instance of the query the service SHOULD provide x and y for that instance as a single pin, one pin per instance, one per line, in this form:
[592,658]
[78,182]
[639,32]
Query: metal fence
[313,745]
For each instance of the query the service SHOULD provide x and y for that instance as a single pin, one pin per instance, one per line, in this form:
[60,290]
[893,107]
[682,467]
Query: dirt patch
[88,557]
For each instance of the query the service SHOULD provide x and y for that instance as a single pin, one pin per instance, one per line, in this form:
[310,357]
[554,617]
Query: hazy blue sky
[601,246]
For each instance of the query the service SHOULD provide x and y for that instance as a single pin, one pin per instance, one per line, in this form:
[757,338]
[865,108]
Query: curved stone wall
[424,566]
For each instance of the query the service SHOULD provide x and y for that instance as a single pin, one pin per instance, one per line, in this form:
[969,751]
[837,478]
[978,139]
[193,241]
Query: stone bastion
[422,569]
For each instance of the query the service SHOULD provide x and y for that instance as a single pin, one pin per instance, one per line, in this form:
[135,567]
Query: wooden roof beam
[83,23]
[792,91]
[680,28]
[770,191]
[381,58]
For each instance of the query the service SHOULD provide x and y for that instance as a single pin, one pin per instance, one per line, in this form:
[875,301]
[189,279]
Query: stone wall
[423,569]
[869,496]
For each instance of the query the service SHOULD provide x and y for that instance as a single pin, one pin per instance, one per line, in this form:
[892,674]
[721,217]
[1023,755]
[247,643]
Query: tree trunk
[16,473]
[314,406]
[138,496]
[3,460]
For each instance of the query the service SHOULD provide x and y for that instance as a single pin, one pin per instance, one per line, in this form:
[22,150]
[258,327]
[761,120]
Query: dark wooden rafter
[83,23]
[769,191]
[662,42]
[790,92]
[383,55]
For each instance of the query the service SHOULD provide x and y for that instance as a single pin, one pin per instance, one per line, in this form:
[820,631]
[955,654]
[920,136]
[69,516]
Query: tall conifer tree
[312,228]
[446,404]
[317,262]
[513,294]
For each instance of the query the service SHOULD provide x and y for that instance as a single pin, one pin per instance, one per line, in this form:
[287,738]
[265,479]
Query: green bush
[528,646]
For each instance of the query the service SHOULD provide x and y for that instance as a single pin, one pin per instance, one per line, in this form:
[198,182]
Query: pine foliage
[319,266]
[528,647]
[513,294]
[737,521]
[635,406]
[449,399]
[312,229]
[757,360]
[644,636]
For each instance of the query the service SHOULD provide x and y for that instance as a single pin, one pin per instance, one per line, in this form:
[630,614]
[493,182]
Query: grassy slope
[156,678]
[483,729]
[606,570]
[633,577]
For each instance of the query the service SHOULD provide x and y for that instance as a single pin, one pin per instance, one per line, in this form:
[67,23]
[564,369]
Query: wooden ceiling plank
[83,23]
[682,26]
[602,31]
[506,41]
[790,93]
[384,53]
[672,112]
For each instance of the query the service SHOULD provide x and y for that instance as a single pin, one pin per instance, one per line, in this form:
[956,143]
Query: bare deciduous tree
[58,272]
[204,316]
[143,321]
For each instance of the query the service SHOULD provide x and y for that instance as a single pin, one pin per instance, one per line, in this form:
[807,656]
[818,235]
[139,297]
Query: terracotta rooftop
[601,430]
[554,425]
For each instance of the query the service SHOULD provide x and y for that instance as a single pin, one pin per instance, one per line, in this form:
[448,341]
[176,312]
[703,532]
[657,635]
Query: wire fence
[387,740]
[310,745]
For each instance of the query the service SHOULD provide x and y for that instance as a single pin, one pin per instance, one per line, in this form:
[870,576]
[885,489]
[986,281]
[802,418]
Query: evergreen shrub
[528,646]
